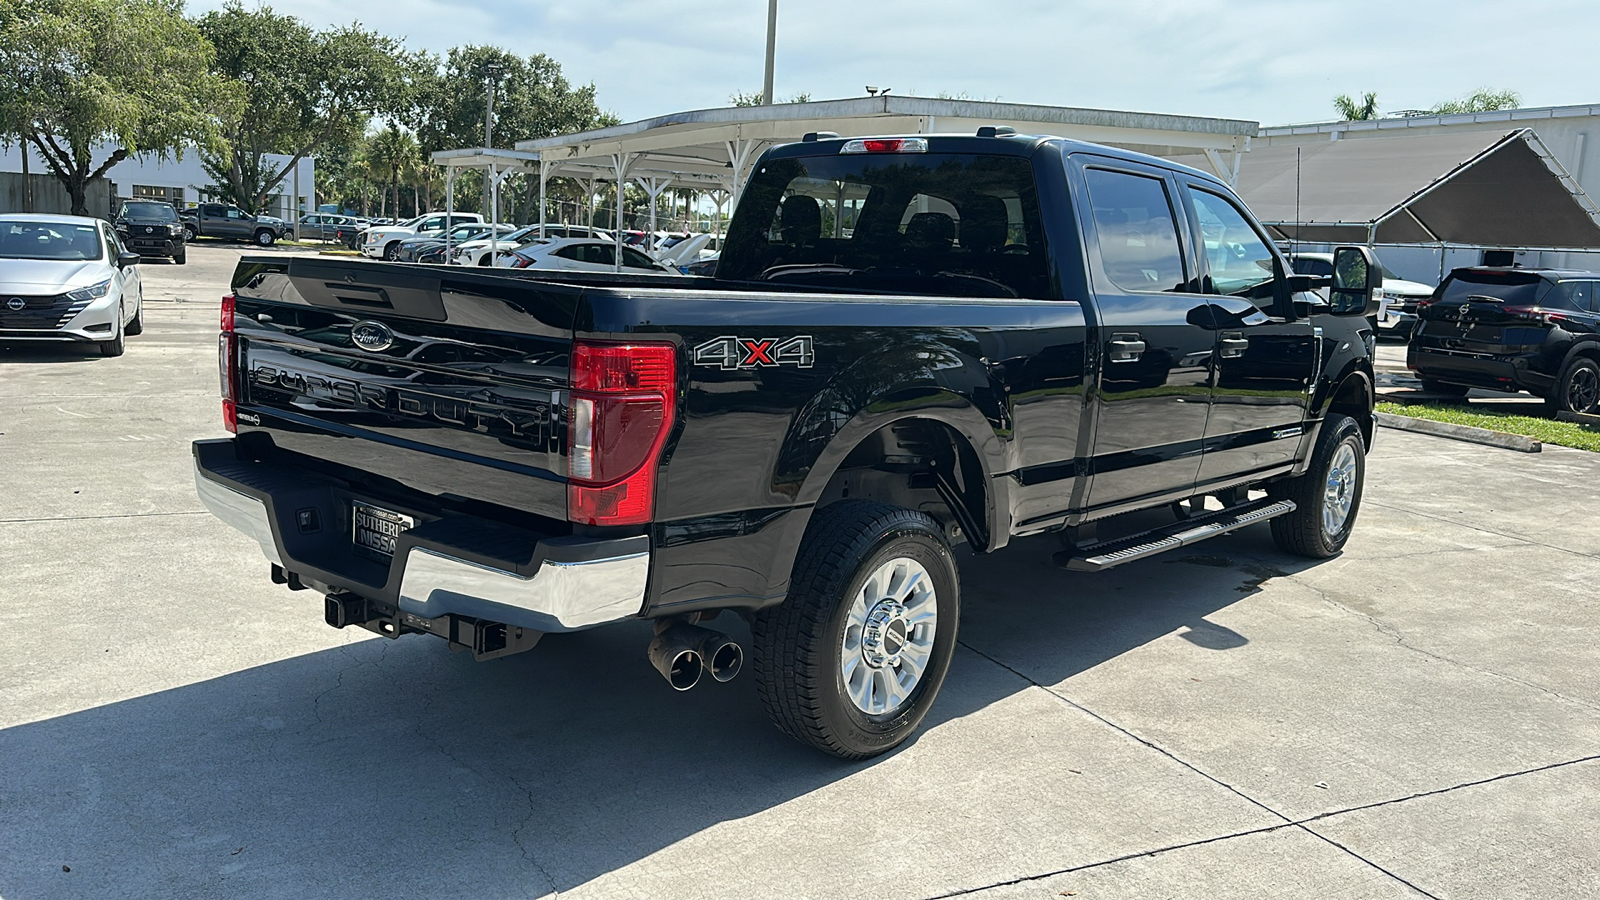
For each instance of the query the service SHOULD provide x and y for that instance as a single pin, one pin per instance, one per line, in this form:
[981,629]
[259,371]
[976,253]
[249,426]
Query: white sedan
[476,251]
[68,278]
[581,255]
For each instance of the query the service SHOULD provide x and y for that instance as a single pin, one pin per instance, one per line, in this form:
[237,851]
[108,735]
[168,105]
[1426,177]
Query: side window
[1238,258]
[634,259]
[1138,235]
[1594,301]
[235,214]
[1581,294]
[574,252]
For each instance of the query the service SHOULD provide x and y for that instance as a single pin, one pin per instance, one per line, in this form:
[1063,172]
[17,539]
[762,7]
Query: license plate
[376,530]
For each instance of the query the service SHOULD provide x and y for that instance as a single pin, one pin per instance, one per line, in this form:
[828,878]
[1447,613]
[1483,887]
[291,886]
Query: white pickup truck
[385,242]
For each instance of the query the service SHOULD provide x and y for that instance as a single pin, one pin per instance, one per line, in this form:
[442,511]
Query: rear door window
[1136,230]
[1579,295]
[635,259]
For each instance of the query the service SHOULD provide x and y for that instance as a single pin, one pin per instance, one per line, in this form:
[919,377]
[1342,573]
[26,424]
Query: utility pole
[493,72]
[772,48]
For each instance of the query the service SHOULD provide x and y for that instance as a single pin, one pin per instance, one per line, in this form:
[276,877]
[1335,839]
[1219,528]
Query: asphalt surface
[1418,717]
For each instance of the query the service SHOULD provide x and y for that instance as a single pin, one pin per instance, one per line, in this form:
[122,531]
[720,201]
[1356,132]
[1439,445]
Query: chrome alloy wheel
[888,637]
[1340,493]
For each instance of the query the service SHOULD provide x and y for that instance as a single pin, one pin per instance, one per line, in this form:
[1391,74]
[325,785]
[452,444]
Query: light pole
[772,48]
[491,72]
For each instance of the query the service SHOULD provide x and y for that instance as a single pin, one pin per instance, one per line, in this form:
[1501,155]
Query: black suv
[152,228]
[1535,330]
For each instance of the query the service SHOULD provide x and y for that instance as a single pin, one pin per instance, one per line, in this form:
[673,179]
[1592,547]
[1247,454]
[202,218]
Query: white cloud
[1274,61]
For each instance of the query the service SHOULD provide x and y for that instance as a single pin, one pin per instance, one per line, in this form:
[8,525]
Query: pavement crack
[1446,790]
[1508,536]
[1393,633]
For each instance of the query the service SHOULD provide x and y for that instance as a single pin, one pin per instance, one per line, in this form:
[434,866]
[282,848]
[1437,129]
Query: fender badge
[371,336]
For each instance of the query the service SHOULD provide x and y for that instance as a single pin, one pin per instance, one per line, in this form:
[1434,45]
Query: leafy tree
[1480,100]
[303,90]
[753,98]
[77,76]
[1351,111]
[393,158]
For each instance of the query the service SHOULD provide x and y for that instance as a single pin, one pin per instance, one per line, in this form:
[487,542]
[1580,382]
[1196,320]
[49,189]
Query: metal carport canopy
[722,144]
[1466,189]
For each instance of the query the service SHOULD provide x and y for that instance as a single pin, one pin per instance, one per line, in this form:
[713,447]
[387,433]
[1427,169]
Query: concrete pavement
[1418,717]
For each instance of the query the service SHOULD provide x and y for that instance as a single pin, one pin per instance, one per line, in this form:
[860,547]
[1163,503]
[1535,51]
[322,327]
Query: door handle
[1233,345]
[1125,347]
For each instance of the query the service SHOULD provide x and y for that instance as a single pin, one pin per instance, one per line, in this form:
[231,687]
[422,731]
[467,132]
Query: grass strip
[1550,431]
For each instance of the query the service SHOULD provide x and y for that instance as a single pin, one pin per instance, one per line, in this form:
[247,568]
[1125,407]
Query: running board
[1106,554]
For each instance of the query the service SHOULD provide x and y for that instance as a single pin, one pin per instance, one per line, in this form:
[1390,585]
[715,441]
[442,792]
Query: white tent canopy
[713,150]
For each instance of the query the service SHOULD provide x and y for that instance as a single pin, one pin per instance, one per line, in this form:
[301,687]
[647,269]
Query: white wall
[185,173]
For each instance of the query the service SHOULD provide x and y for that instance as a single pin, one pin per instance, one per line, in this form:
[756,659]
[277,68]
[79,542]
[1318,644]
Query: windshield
[161,212]
[936,223]
[1516,288]
[50,240]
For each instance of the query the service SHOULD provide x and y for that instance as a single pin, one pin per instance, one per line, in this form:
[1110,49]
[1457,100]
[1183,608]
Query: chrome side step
[1107,554]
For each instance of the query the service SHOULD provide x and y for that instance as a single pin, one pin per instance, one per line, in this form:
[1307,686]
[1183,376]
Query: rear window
[1514,288]
[932,223]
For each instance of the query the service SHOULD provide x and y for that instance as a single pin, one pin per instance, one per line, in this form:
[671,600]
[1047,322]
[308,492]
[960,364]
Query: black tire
[266,238]
[1578,389]
[798,647]
[180,256]
[189,234]
[1303,531]
[136,327]
[391,251]
[117,345]
[1448,390]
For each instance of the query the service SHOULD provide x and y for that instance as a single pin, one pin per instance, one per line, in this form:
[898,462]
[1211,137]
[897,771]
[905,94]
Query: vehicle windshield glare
[161,212]
[65,241]
[1515,288]
[935,223]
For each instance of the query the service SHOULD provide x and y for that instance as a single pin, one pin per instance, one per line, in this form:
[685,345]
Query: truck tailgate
[443,382]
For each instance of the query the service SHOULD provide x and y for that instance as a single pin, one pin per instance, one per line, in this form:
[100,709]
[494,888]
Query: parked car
[466,231]
[800,440]
[328,227]
[384,242]
[579,255]
[152,228]
[68,278]
[701,267]
[223,220]
[1397,309]
[1512,329]
[476,252]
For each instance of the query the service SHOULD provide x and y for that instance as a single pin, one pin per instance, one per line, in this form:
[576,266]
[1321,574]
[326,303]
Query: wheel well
[918,464]
[1354,399]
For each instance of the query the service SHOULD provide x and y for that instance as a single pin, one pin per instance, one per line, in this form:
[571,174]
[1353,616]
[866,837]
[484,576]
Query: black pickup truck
[909,342]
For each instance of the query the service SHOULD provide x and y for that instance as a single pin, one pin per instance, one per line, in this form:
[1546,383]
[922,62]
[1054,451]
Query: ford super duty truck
[910,342]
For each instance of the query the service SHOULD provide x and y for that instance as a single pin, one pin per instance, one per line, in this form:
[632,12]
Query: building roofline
[1526,114]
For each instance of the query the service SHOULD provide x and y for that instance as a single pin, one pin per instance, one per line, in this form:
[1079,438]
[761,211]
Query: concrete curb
[1460,433]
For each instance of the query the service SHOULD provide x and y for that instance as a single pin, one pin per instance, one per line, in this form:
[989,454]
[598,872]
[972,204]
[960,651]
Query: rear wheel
[1448,390]
[1328,496]
[851,662]
[1579,388]
[136,327]
[189,233]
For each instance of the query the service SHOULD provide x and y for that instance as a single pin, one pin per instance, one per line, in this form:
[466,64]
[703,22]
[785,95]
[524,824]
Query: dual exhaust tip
[682,653]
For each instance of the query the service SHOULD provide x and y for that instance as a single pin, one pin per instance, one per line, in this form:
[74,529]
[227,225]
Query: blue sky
[1272,61]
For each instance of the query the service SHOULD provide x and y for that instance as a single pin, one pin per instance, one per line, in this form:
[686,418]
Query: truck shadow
[30,353]
[394,768]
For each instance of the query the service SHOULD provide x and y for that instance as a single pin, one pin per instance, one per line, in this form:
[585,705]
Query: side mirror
[125,260]
[1356,280]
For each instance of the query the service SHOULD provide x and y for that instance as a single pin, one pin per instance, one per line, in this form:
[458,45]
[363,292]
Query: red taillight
[885,145]
[227,366]
[623,402]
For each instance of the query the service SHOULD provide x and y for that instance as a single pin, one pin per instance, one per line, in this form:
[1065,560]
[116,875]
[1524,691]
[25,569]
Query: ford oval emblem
[371,336]
[16,303]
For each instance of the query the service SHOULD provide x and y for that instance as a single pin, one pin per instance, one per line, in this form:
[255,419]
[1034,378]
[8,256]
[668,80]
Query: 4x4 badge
[732,352]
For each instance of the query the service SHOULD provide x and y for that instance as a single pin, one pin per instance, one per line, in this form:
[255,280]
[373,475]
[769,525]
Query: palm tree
[393,154]
[1351,111]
